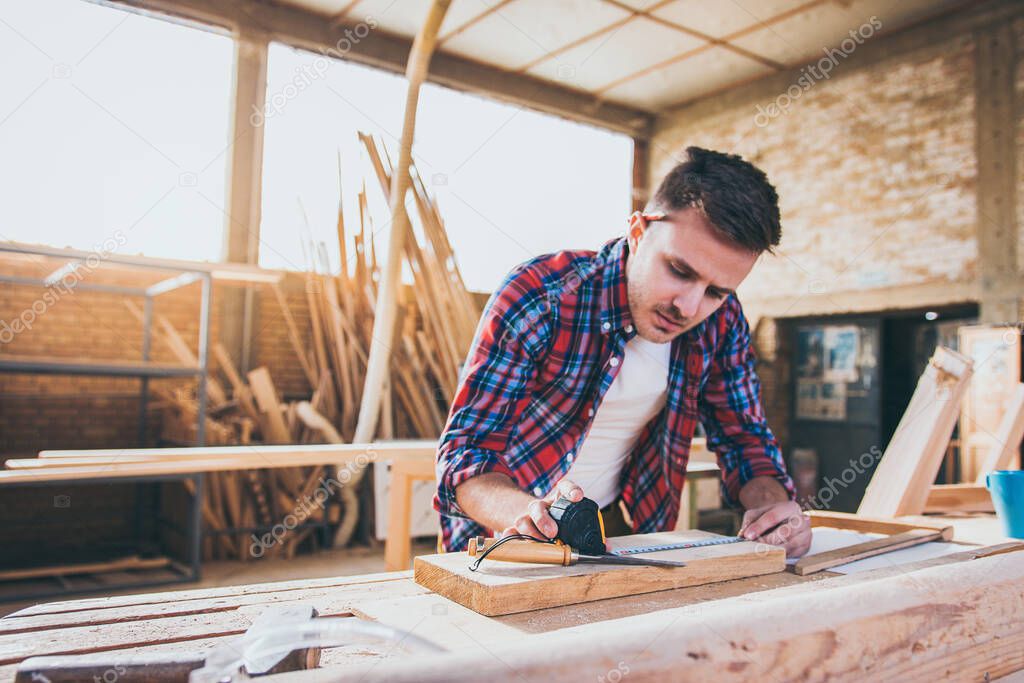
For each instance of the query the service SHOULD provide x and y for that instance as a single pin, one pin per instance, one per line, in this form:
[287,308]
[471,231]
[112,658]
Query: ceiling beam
[307,30]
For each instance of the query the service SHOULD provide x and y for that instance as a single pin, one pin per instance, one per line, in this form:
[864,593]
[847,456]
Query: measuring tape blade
[679,546]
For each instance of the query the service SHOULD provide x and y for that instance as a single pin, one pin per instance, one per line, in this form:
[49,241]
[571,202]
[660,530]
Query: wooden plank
[186,648]
[88,638]
[893,628]
[306,453]
[266,399]
[101,608]
[900,483]
[508,587]
[859,551]
[118,565]
[241,392]
[446,623]
[218,459]
[959,498]
[385,313]
[876,525]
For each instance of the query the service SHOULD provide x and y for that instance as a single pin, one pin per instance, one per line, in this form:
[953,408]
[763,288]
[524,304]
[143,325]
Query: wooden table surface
[195,620]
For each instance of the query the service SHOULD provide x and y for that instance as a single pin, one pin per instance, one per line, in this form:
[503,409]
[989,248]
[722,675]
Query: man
[590,371]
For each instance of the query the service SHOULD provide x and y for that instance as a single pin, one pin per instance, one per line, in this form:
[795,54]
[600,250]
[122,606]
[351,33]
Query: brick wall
[40,412]
[877,174]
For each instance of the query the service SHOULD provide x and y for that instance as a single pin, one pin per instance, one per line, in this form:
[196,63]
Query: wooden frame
[901,481]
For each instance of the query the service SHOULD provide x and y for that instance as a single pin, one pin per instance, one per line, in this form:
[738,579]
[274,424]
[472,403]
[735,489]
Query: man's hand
[782,523]
[535,520]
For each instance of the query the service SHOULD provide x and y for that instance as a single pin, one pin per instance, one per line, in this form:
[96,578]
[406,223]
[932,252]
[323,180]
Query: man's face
[679,271]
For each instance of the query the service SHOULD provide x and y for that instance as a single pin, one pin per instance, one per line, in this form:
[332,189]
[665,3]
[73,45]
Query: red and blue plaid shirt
[540,365]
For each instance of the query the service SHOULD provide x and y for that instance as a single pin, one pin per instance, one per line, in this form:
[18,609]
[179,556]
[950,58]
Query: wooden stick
[238,387]
[387,301]
[118,565]
[874,525]
[266,398]
[315,420]
[859,551]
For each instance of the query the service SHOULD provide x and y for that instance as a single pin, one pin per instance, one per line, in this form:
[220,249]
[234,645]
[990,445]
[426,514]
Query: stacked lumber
[436,324]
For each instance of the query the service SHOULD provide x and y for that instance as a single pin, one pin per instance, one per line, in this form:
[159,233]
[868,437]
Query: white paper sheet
[824,539]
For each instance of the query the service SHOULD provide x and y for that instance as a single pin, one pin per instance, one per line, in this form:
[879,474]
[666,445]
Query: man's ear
[637,228]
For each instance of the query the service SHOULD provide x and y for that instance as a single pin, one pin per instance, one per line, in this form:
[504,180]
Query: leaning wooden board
[508,587]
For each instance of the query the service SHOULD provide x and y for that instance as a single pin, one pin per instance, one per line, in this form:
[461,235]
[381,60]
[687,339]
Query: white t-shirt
[636,395]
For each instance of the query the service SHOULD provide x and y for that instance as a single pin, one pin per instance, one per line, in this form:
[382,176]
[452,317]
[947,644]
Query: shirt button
[538,491]
[570,455]
[629,329]
[590,412]
[614,362]
[606,326]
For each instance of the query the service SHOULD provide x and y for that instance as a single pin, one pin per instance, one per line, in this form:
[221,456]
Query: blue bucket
[1007,489]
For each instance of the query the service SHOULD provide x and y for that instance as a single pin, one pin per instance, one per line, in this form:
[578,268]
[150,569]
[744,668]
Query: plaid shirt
[539,366]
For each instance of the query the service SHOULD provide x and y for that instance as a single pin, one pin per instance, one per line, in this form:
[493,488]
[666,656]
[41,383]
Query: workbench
[484,647]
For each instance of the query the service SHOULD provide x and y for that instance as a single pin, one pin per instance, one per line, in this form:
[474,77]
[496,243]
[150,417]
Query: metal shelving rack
[184,273]
[187,272]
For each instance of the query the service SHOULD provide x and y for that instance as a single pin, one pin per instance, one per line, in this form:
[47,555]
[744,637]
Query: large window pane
[112,122]
[511,183]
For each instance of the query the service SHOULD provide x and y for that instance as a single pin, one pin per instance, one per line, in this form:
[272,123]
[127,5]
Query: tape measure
[725,540]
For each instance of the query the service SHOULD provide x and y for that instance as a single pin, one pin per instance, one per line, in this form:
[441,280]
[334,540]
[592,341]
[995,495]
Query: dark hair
[734,195]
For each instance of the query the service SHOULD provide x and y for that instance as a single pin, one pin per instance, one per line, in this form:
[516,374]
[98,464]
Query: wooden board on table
[959,498]
[509,587]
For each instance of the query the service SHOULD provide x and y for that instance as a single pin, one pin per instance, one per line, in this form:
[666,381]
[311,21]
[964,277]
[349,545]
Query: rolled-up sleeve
[733,416]
[493,388]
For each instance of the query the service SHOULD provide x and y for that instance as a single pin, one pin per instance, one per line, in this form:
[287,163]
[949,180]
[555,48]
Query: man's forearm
[762,491]
[493,500]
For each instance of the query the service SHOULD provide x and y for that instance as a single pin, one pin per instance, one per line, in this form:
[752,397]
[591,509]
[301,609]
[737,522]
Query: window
[511,183]
[112,122]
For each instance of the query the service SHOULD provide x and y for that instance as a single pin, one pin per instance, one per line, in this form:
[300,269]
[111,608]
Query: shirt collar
[615,313]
